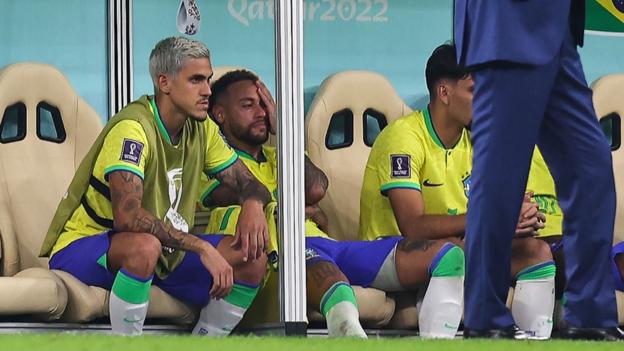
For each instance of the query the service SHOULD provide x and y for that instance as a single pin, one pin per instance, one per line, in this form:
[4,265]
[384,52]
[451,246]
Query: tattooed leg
[413,257]
[328,290]
[320,276]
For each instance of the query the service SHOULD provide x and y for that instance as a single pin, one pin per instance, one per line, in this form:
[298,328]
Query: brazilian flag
[604,15]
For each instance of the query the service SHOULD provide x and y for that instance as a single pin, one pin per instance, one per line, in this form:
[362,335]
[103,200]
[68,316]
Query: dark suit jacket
[521,31]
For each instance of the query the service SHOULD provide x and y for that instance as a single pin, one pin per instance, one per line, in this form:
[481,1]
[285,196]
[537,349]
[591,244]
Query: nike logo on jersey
[427,183]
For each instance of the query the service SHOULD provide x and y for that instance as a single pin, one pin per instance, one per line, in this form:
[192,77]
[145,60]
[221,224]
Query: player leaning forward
[124,221]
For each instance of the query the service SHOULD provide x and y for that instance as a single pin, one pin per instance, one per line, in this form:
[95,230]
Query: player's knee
[537,251]
[448,262]
[252,271]
[143,255]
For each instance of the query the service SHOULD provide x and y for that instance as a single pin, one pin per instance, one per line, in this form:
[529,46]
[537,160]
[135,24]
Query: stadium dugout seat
[609,106]
[348,111]
[45,131]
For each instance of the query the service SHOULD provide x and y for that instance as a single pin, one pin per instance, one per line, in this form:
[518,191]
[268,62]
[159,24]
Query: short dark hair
[442,64]
[220,85]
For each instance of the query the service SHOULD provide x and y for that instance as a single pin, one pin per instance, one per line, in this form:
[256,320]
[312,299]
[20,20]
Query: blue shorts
[617,276]
[360,261]
[190,281]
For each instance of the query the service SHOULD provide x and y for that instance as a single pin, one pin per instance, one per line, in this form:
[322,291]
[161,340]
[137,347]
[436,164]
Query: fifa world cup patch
[131,151]
[400,166]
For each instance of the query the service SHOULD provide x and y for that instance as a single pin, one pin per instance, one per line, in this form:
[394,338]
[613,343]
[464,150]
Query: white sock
[218,318]
[126,318]
[441,309]
[533,305]
[343,319]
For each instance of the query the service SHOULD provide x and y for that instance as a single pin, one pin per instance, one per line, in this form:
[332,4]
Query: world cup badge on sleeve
[400,166]
[131,151]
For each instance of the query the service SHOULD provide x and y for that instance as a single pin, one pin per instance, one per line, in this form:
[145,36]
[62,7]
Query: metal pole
[289,83]
[120,78]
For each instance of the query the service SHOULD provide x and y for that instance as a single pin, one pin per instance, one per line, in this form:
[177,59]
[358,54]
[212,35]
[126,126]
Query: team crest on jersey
[131,151]
[400,166]
[466,182]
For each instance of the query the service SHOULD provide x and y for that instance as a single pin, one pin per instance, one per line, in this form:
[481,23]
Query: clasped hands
[531,219]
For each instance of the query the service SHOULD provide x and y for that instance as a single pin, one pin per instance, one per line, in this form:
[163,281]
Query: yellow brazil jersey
[542,185]
[126,147]
[409,154]
[223,219]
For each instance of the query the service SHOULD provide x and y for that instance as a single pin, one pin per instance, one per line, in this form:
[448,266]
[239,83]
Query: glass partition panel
[68,34]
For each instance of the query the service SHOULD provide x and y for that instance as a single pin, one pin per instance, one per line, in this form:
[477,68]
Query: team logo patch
[310,253]
[466,182]
[400,166]
[131,151]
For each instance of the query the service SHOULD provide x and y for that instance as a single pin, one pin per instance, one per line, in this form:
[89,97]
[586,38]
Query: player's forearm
[433,227]
[245,185]
[129,215]
[223,195]
[254,190]
[145,222]
[316,183]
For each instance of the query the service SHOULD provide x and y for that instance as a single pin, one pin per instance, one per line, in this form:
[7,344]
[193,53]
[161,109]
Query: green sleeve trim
[130,289]
[226,218]
[111,169]
[337,293]
[242,295]
[243,154]
[538,271]
[398,185]
[205,196]
[224,165]
[451,264]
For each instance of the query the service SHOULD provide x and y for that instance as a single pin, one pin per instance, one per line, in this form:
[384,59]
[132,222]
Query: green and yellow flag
[605,15]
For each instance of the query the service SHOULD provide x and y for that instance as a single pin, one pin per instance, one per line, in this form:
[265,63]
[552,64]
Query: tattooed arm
[252,234]
[246,187]
[223,196]
[316,183]
[129,216]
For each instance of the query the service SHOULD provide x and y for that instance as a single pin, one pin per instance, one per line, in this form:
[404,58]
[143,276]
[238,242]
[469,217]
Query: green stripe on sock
[530,273]
[338,292]
[451,264]
[242,296]
[130,289]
